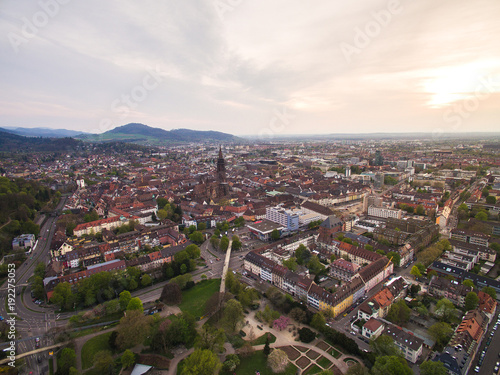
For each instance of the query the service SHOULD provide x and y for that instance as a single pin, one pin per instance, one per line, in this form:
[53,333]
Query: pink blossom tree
[281,323]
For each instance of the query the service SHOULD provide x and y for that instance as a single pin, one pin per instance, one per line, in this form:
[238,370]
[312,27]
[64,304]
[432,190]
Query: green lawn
[258,362]
[314,369]
[262,339]
[194,299]
[92,346]
[324,362]
[335,353]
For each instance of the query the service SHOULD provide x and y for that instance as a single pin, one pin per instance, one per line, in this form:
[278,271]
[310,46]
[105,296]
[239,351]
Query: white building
[287,218]
[385,212]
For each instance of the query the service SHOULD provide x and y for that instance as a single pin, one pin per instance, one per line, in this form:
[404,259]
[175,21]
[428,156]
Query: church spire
[220,153]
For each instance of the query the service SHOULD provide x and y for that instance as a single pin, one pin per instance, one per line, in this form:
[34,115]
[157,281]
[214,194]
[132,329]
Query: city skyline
[252,68]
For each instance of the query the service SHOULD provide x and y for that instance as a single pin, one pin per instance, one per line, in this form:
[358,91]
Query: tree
[197,237]
[224,243]
[211,338]
[103,362]
[73,371]
[63,296]
[201,362]
[128,358]
[302,254]
[112,340]
[314,265]
[275,235]
[441,332]
[233,315]
[232,361]
[214,241]
[133,328]
[124,299]
[415,272]
[267,348]
[215,304]
[384,346]
[291,264]
[471,301]
[481,216]
[135,304]
[399,313]
[306,335]
[318,321]
[145,280]
[391,365]
[433,368]
[357,369]
[395,256]
[444,309]
[202,226]
[171,294]
[236,245]
[281,323]
[274,295]
[490,199]
[420,210]
[65,361]
[468,282]
[491,291]
[298,315]
[277,360]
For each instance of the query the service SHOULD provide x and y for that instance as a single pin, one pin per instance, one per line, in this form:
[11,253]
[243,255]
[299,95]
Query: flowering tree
[281,323]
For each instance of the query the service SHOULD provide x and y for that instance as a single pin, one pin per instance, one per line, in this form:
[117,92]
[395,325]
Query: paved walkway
[226,267]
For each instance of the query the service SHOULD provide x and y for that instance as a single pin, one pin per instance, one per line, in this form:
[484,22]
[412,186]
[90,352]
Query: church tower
[223,187]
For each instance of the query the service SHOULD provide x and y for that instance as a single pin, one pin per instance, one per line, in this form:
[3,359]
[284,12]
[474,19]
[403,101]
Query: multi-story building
[372,329]
[385,212]
[456,292]
[474,238]
[287,218]
[410,346]
[23,242]
[343,270]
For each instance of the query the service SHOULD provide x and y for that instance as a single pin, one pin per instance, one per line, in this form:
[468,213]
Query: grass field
[335,353]
[194,299]
[313,370]
[262,339]
[92,346]
[324,362]
[258,362]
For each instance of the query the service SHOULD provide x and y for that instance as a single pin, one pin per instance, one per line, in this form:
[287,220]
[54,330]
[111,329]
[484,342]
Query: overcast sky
[252,66]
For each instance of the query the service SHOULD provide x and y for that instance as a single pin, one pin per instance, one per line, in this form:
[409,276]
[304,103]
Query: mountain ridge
[141,133]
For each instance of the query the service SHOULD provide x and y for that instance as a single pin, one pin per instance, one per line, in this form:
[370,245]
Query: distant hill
[41,132]
[143,134]
[17,143]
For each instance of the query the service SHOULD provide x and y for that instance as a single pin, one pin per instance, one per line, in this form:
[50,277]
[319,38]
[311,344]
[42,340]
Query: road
[32,320]
[492,352]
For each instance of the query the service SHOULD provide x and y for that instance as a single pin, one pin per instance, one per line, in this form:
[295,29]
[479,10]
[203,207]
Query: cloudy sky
[251,67]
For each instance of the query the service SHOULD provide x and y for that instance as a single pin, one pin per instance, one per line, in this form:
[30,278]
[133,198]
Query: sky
[252,67]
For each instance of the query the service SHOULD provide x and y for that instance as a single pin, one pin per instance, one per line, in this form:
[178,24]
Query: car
[476,369]
[39,359]
[37,342]
[1,318]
